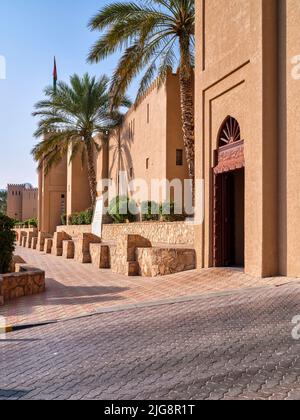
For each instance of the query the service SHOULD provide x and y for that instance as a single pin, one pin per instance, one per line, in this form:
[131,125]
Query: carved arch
[230,132]
[229,155]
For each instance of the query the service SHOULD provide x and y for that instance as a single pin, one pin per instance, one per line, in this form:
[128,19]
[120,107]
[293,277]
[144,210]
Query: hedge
[78,219]
[122,209]
[7,243]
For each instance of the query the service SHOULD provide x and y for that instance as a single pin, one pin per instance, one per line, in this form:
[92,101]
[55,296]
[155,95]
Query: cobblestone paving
[75,289]
[238,346]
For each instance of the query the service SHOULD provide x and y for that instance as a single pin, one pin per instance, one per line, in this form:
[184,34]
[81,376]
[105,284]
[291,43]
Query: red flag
[54,75]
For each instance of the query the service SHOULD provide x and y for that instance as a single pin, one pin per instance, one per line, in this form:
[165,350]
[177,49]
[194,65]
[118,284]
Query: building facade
[52,196]
[248,134]
[22,202]
[148,146]
[247,139]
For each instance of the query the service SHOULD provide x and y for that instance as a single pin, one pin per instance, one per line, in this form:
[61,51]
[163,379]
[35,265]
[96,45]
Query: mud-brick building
[248,134]
[22,202]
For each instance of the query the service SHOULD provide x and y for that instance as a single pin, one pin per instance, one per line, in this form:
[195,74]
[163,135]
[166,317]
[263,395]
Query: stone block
[82,247]
[68,249]
[123,261]
[34,242]
[100,255]
[24,241]
[48,245]
[41,241]
[58,238]
[29,238]
[16,260]
[156,262]
[21,236]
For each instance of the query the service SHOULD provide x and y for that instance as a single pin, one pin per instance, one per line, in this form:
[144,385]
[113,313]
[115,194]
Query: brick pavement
[75,289]
[237,346]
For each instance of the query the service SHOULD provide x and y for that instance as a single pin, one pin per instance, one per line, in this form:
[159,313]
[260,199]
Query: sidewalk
[75,289]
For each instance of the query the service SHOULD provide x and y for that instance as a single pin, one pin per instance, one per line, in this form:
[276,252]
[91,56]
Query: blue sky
[31,33]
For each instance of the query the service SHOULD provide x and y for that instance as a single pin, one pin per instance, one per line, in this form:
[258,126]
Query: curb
[15,328]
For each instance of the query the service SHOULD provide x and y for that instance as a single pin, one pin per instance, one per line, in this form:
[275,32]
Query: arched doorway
[229,197]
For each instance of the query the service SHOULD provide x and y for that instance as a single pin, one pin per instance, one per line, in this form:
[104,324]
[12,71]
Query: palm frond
[153,35]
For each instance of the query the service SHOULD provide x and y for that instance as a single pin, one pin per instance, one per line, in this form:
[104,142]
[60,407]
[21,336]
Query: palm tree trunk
[187,107]
[188,123]
[91,171]
[119,159]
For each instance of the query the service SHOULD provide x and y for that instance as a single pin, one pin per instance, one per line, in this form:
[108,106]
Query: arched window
[230,132]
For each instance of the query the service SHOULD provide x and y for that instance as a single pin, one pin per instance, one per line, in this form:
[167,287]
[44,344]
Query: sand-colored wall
[142,136]
[289,141]
[22,202]
[30,204]
[14,201]
[174,131]
[151,132]
[236,75]
[78,190]
[52,196]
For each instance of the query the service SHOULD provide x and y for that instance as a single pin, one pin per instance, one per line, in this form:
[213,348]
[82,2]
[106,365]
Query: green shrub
[169,212]
[150,211]
[7,243]
[77,219]
[81,218]
[31,223]
[88,216]
[121,210]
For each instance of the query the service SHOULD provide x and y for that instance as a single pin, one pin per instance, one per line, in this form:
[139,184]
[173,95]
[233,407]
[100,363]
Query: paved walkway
[75,289]
[238,346]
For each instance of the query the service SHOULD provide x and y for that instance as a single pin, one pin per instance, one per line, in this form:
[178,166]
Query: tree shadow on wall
[122,157]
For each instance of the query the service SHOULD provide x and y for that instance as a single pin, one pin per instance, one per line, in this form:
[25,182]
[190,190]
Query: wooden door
[223,225]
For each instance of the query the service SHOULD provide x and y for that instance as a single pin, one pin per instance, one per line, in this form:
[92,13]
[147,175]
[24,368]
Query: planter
[25,281]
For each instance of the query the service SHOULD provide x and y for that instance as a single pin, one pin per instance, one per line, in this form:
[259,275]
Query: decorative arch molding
[230,153]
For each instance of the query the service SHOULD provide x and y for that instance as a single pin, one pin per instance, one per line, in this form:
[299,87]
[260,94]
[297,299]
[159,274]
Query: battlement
[20,186]
[26,187]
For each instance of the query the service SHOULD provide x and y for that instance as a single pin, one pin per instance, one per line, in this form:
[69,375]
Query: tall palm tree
[70,117]
[155,35]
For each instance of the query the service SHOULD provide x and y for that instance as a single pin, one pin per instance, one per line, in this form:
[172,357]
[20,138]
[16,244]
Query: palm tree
[155,35]
[70,117]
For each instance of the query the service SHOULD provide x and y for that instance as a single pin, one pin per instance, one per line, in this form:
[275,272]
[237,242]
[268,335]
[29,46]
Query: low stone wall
[74,230]
[26,281]
[177,233]
[154,262]
[24,232]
